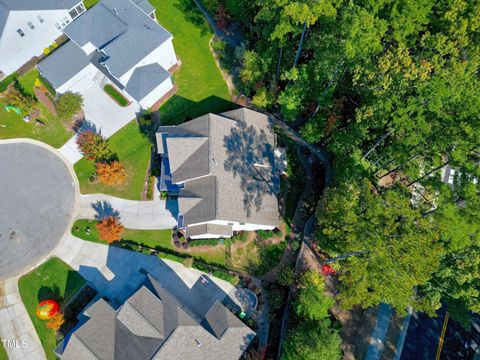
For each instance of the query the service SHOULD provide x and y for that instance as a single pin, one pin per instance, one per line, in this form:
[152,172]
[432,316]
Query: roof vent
[199,344]
[214,161]
[115,10]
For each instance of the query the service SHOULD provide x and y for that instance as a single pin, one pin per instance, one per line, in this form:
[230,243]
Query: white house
[117,42]
[27,27]
[225,170]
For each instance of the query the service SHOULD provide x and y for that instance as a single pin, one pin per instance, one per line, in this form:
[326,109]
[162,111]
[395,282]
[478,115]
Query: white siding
[235,225]
[156,94]
[16,50]
[163,55]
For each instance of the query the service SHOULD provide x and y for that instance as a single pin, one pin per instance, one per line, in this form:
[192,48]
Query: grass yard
[133,150]
[54,279]
[115,95]
[201,87]
[152,239]
[3,353]
[90,3]
[55,133]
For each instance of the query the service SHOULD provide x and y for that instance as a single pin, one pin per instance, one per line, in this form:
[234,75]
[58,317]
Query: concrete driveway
[102,114]
[158,214]
[37,200]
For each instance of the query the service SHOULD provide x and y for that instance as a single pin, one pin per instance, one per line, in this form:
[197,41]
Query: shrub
[188,262]
[265,234]
[110,229]
[56,322]
[119,98]
[286,276]
[88,143]
[241,236]
[7,81]
[110,173]
[208,242]
[18,98]
[68,104]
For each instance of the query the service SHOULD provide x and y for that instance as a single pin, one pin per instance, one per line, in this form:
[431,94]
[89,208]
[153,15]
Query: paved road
[37,200]
[379,333]
[421,342]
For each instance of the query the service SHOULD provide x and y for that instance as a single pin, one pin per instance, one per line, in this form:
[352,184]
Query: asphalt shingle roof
[152,325]
[145,79]
[63,64]
[235,175]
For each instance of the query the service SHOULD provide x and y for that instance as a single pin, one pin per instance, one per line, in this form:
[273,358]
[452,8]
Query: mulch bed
[44,99]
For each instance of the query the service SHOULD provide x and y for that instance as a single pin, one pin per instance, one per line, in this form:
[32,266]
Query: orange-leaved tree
[110,173]
[56,322]
[110,229]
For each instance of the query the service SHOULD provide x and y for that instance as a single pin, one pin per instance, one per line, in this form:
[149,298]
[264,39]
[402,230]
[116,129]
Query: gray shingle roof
[145,6]
[122,30]
[99,25]
[153,319]
[240,160]
[145,79]
[63,64]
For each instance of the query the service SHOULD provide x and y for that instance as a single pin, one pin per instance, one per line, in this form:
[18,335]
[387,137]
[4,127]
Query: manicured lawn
[90,3]
[55,133]
[133,150]
[3,353]
[54,279]
[201,88]
[115,95]
[152,239]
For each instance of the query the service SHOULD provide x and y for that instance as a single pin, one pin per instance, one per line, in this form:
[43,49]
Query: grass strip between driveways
[3,353]
[54,279]
[115,95]
[133,150]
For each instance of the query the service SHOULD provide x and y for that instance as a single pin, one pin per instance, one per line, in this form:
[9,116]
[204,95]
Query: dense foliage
[390,89]
[68,104]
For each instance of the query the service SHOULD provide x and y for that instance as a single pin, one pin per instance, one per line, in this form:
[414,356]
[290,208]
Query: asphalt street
[37,196]
[423,337]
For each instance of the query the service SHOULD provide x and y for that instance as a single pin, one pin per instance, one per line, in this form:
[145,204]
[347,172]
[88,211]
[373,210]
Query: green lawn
[54,279]
[3,353]
[90,3]
[55,133]
[133,150]
[201,88]
[150,238]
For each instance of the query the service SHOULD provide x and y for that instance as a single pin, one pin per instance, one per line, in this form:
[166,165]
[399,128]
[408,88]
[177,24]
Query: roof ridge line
[139,313]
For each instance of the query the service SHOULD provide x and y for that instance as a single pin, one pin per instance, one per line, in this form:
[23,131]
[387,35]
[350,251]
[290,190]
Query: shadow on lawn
[193,14]
[53,292]
[179,109]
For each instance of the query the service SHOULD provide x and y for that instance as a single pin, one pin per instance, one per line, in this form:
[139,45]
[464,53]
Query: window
[30,25]
[73,13]
[80,8]
[40,19]
[20,32]
[57,25]
[76,11]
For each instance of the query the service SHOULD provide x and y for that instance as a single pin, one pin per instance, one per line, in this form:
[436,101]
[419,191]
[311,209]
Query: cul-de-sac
[239,179]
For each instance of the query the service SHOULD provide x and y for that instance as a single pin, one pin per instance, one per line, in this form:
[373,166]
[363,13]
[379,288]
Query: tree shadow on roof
[251,158]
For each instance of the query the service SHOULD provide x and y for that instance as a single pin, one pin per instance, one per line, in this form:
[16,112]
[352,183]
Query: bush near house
[68,104]
[265,234]
[115,95]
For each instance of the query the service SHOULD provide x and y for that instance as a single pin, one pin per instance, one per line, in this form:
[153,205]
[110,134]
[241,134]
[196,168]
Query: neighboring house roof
[151,324]
[6,6]
[122,29]
[145,79]
[145,6]
[228,165]
[64,63]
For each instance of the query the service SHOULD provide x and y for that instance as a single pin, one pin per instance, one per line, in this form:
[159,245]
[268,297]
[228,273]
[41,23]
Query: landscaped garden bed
[115,95]
[52,280]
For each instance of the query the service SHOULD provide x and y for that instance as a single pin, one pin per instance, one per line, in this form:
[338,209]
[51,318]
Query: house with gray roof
[27,27]
[116,42]
[225,170]
[153,324]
